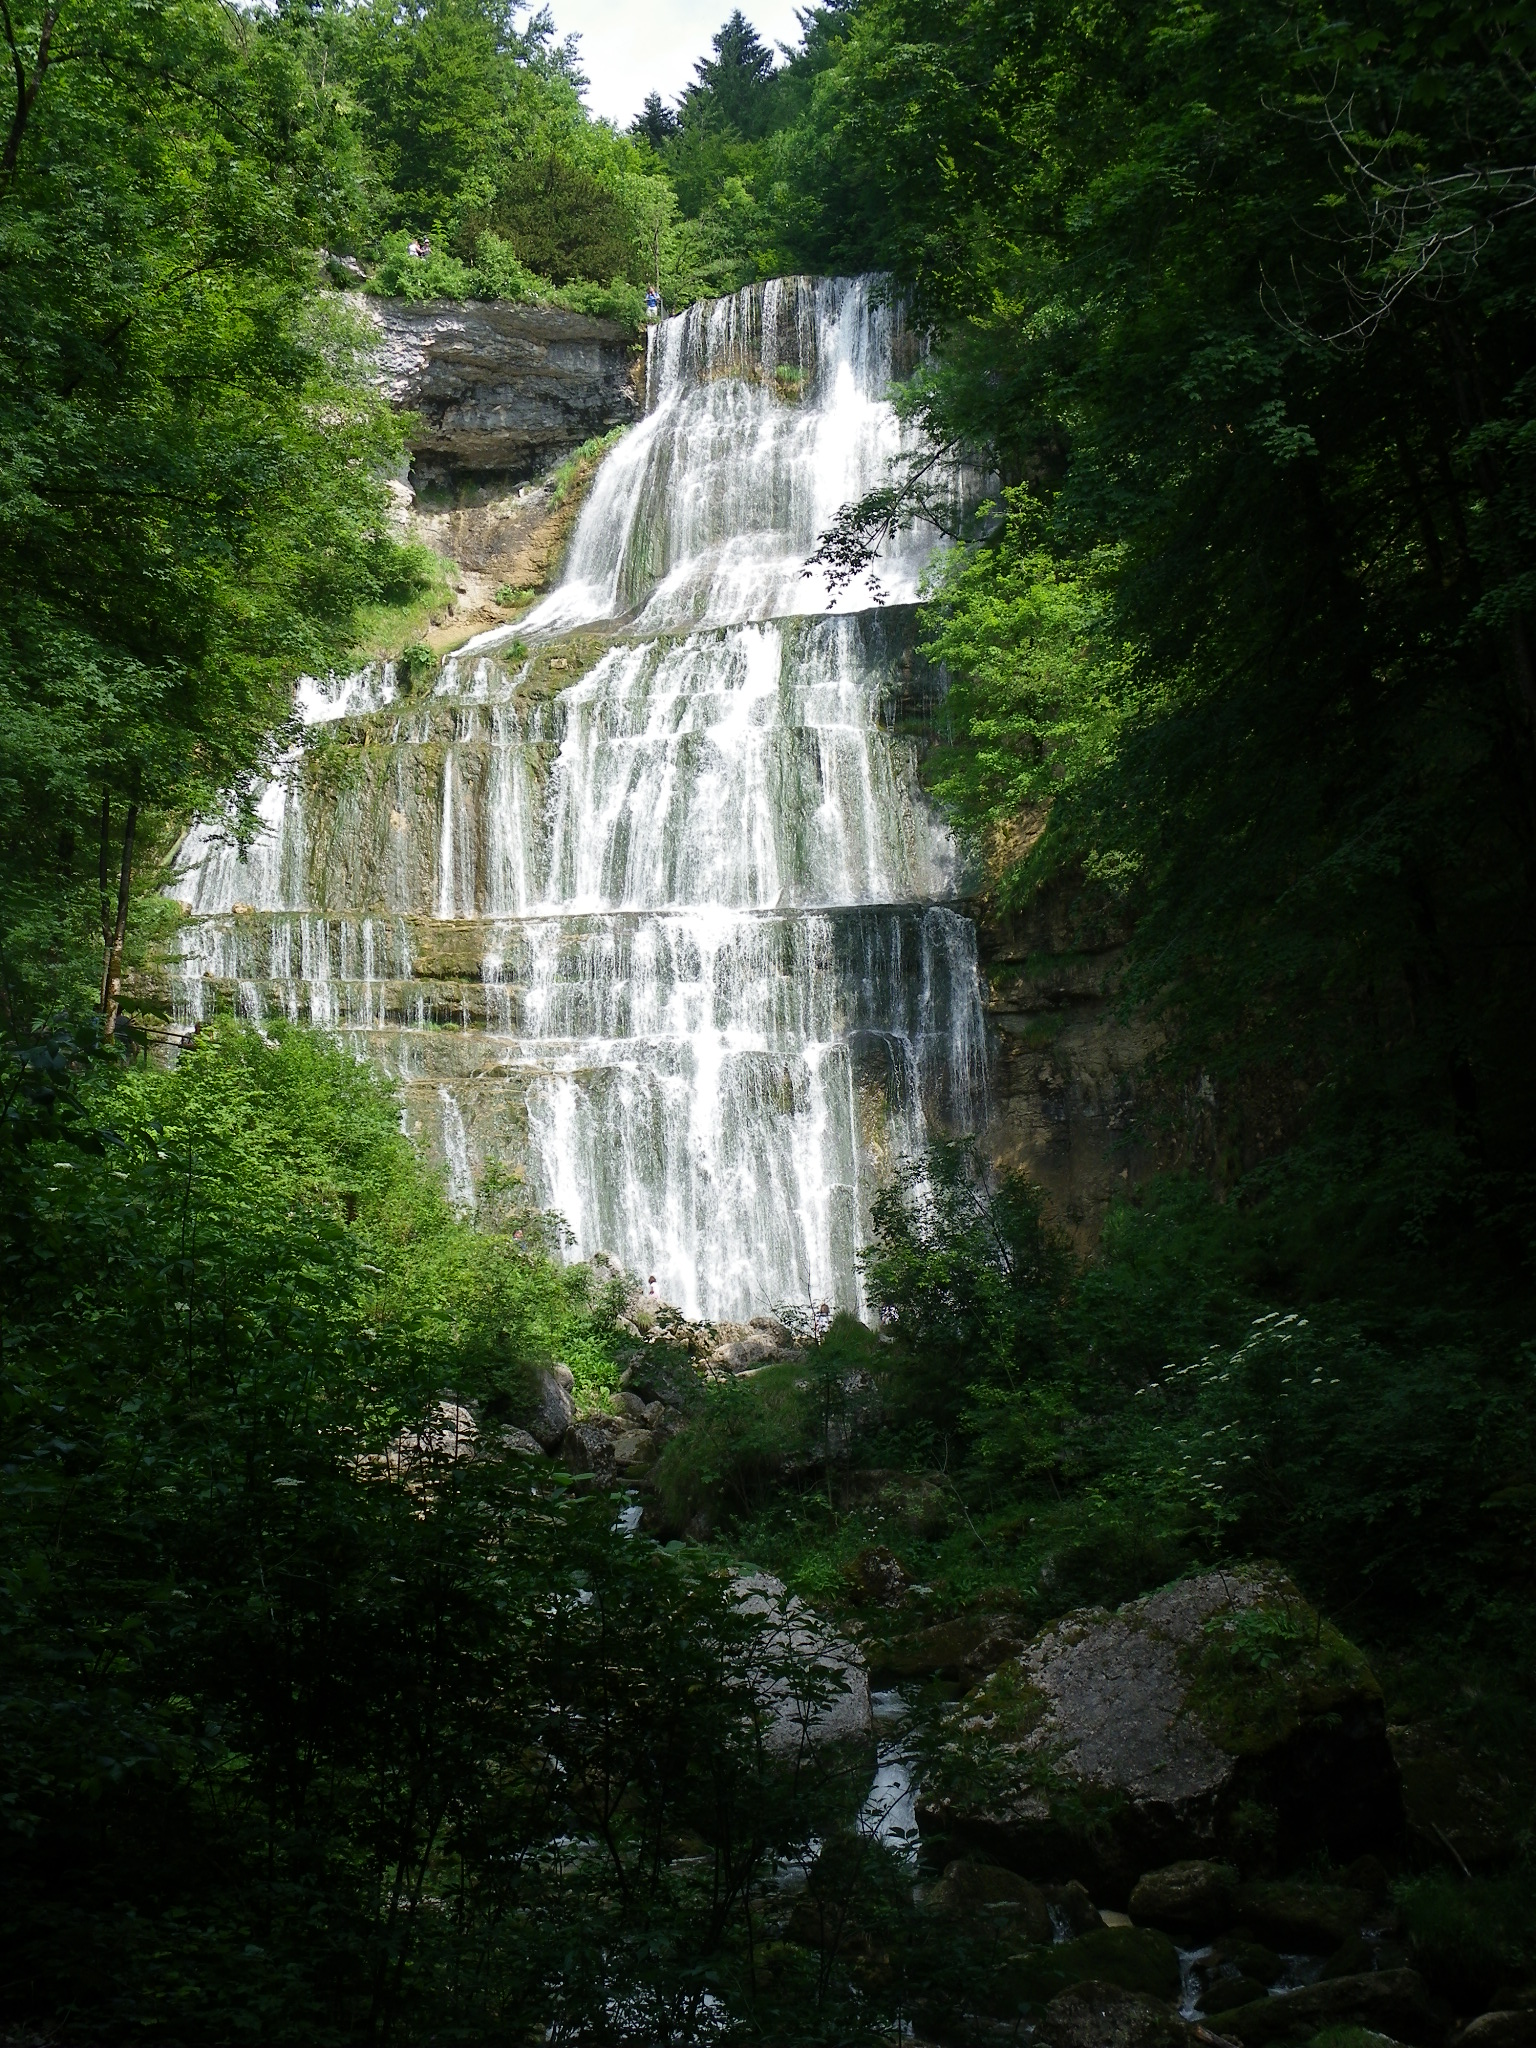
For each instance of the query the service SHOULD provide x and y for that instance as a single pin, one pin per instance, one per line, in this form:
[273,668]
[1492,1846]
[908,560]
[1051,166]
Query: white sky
[632,47]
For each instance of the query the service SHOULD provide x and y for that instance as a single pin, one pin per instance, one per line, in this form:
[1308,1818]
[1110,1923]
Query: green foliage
[191,495]
[967,1281]
[745,1442]
[378,1728]
[1471,1937]
[1248,651]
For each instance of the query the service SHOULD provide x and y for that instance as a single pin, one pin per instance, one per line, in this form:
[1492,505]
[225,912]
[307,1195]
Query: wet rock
[1106,2016]
[635,1450]
[799,1640]
[1236,1956]
[877,1575]
[1391,2002]
[1350,1959]
[544,1407]
[1184,1724]
[1225,1994]
[1193,1898]
[1293,1914]
[968,1888]
[1077,1912]
[1499,2030]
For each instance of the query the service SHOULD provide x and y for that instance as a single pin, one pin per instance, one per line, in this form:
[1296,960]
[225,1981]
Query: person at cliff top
[652,305]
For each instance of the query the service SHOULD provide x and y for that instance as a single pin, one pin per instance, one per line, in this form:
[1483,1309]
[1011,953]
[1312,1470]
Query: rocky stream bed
[1173,1822]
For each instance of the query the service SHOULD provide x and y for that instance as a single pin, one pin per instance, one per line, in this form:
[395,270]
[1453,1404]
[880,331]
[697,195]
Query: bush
[1472,1936]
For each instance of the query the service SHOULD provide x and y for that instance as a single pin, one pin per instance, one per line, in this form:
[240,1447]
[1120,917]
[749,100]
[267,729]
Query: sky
[632,47]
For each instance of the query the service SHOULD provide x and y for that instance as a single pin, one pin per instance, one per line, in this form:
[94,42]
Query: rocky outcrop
[1219,1716]
[500,390]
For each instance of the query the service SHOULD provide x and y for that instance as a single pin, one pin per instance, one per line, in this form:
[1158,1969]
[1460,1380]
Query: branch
[849,546]
[26,94]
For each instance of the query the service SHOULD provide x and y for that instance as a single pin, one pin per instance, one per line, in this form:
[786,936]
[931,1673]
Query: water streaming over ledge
[655,913]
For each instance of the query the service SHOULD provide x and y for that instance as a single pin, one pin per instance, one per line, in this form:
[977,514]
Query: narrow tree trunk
[113,934]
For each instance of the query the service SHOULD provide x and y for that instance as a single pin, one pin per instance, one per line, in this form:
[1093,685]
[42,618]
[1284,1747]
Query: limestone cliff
[1065,1061]
[500,390]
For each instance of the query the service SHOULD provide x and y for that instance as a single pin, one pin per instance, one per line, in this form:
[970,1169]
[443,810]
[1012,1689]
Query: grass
[383,630]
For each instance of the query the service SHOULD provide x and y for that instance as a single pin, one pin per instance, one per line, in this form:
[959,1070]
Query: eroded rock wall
[1068,1063]
[501,391]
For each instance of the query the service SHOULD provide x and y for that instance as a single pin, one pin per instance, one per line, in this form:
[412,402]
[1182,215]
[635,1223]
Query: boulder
[1072,1907]
[588,1447]
[968,1888]
[1214,1716]
[1135,1958]
[1225,1994]
[544,1407]
[1391,2002]
[1193,1898]
[1106,2016]
[635,1450]
[796,1640]
[965,1647]
[1293,1914]
[520,1441]
[1236,1956]
[1499,2030]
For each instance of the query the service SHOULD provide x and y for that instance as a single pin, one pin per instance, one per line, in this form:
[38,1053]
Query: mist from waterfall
[671,939]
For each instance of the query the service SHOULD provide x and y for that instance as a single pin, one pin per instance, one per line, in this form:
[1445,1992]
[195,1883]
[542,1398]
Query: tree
[732,87]
[656,122]
[191,505]
[1208,306]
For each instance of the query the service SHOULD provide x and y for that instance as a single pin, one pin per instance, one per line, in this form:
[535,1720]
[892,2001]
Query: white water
[696,973]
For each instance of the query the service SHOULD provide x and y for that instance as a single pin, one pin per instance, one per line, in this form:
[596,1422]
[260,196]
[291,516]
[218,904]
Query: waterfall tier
[653,913]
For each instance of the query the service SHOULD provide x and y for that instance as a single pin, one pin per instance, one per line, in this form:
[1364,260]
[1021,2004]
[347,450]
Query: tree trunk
[114,927]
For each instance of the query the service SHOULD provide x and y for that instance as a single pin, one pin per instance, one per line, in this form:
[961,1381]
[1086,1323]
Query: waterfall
[652,912]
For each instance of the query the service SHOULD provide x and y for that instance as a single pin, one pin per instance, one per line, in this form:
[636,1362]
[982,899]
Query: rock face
[1218,1715]
[501,390]
[794,1636]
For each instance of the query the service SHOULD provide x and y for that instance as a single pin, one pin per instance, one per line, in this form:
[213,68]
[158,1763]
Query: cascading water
[654,913]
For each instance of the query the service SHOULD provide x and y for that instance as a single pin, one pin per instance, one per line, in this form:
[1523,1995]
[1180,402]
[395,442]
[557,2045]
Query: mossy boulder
[1295,1914]
[1218,1718]
[1135,1958]
[1107,2016]
[1391,2002]
[969,1889]
[965,1647]
[1195,1898]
